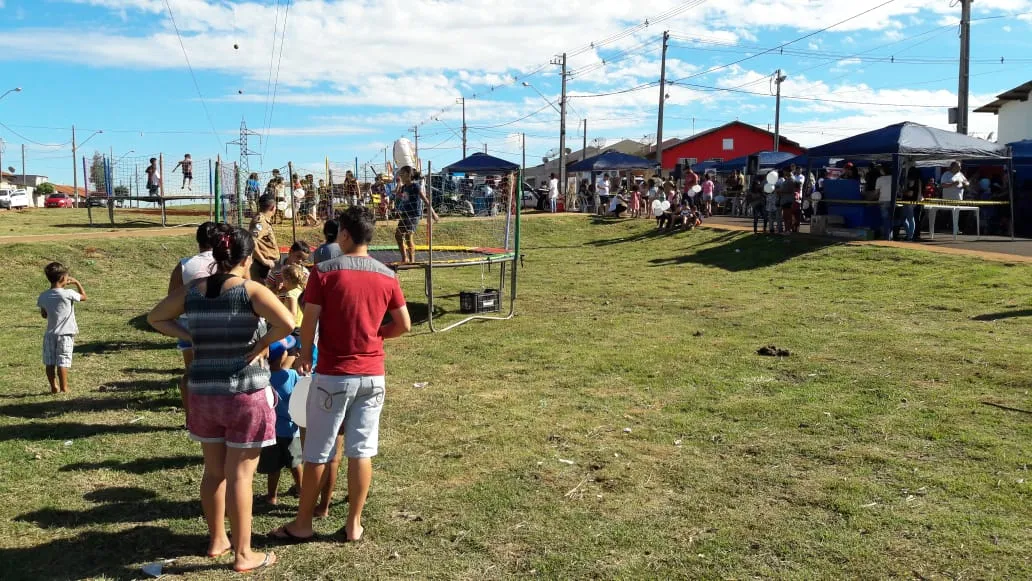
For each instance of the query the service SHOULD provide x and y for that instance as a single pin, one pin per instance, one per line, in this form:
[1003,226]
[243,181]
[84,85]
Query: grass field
[60,221]
[622,426]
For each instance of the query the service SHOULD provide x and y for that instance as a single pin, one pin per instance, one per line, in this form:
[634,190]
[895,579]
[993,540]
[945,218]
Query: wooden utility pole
[965,62]
[562,130]
[662,101]
[463,101]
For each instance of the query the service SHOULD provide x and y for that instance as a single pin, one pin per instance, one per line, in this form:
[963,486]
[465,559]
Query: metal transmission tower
[245,151]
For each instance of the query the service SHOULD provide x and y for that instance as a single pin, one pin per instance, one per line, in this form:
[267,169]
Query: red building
[735,139]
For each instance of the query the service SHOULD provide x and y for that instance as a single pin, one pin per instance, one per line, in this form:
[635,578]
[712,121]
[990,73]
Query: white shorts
[57,350]
[343,404]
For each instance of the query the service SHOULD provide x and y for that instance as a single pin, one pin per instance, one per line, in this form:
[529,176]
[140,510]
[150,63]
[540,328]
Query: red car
[59,201]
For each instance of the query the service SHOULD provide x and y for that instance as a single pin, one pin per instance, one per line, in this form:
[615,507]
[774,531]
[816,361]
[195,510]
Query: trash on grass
[567,462]
[627,430]
[420,384]
[68,443]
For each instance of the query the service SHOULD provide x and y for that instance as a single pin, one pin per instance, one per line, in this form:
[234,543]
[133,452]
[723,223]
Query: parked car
[59,200]
[14,199]
[96,202]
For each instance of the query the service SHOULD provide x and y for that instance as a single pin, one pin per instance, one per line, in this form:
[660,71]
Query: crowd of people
[249,325]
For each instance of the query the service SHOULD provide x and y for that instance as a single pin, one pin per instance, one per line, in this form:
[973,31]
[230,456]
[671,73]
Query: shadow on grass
[103,554]
[72,430]
[1003,315]
[419,312]
[107,347]
[139,322]
[743,251]
[151,371]
[113,494]
[139,466]
[53,408]
[144,507]
[143,384]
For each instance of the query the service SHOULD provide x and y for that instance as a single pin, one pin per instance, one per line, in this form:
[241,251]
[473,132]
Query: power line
[272,60]
[275,86]
[192,75]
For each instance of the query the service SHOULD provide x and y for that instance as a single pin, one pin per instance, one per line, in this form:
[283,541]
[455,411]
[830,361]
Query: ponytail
[231,247]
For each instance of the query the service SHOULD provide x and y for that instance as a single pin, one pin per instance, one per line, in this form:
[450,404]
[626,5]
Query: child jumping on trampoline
[187,165]
[410,203]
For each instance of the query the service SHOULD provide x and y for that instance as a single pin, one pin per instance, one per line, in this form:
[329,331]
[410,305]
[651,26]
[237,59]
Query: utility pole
[965,61]
[23,166]
[562,129]
[778,79]
[524,140]
[75,172]
[485,148]
[463,101]
[662,101]
[584,149]
[415,132]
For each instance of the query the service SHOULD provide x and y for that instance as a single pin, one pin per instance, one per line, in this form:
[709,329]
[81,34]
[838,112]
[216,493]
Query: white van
[14,199]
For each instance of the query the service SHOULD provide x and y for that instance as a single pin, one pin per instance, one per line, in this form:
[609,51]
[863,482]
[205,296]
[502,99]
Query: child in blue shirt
[286,453]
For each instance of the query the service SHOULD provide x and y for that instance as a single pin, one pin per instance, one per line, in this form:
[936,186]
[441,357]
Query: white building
[1014,114]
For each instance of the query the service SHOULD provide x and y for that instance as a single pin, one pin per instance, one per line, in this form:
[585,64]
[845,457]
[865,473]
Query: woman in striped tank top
[232,322]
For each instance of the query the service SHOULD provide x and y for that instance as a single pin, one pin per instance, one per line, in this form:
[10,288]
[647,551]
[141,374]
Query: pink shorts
[245,420]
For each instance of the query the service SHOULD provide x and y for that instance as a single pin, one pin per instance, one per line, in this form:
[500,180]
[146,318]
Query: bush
[45,188]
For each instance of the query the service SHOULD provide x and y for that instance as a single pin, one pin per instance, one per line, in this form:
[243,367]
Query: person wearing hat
[286,453]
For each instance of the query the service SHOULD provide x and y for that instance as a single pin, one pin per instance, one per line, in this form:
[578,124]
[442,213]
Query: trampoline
[442,256]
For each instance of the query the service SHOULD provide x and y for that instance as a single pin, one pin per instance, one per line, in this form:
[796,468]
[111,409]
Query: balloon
[768,188]
[772,177]
[816,196]
[657,208]
[696,188]
[236,47]
[665,205]
[299,401]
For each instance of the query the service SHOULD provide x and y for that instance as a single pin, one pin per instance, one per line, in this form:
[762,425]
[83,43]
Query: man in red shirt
[347,297]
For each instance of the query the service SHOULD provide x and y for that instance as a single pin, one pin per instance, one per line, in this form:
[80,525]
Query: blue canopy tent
[611,161]
[805,160]
[480,163]
[768,159]
[919,145]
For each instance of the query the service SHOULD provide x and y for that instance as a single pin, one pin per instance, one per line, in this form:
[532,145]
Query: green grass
[77,220]
[866,454]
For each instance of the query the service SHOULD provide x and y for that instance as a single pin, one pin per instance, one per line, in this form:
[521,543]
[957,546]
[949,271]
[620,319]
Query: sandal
[269,561]
[284,536]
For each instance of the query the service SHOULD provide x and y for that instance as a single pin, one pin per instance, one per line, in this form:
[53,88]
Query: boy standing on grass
[58,308]
[347,297]
[286,453]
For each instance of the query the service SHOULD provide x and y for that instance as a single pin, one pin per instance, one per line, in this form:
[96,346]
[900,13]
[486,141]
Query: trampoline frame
[503,260]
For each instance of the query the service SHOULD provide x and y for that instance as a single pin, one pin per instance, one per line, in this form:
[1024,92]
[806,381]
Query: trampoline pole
[161,187]
[430,253]
[290,188]
[211,198]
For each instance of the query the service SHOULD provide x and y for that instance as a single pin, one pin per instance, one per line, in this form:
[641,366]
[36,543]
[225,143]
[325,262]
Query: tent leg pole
[1010,191]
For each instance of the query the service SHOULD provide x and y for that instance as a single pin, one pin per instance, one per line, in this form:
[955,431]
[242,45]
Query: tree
[98,176]
[45,189]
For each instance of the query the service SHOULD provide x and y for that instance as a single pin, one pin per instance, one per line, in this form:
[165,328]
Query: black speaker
[753,166]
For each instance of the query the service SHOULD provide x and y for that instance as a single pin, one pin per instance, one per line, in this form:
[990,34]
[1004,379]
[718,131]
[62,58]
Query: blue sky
[354,76]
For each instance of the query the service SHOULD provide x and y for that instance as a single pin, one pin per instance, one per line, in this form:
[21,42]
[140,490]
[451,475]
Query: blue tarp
[611,161]
[768,159]
[1022,149]
[805,160]
[481,163]
[911,140]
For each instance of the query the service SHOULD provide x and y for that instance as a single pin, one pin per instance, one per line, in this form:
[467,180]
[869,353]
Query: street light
[526,84]
[14,90]
[94,134]
[121,157]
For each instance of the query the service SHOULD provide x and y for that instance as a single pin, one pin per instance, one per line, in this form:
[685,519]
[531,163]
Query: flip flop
[283,535]
[269,561]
